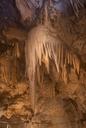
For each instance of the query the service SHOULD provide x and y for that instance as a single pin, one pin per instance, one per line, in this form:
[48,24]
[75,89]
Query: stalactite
[42,46]
[76,4]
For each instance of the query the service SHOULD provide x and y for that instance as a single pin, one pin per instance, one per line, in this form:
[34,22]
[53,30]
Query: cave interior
[42,63]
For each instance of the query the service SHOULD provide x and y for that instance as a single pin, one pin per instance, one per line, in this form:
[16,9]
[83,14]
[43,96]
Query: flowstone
[52,114]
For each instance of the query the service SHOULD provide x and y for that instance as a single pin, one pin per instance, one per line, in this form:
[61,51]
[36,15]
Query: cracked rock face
[15,101]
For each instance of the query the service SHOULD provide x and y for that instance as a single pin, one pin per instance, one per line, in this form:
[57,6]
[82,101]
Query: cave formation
[42,64]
